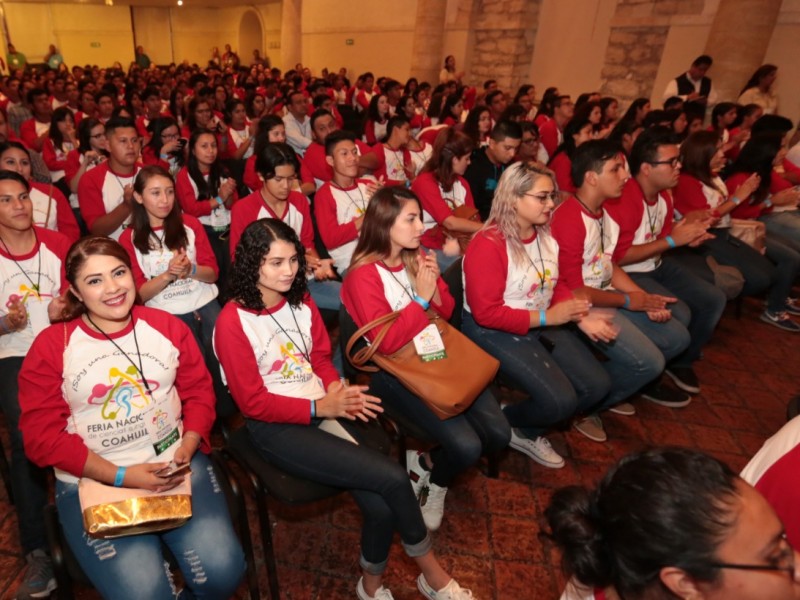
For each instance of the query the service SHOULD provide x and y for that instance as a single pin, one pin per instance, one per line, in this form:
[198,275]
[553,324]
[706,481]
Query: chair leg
[266,537]
[241,523]
[5,473]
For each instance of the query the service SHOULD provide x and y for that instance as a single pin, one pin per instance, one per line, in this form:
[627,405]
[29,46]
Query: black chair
[793,408]
[66,567]
[270,481]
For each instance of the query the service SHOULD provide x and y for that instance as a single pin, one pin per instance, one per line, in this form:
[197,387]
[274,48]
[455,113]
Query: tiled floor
[490,536]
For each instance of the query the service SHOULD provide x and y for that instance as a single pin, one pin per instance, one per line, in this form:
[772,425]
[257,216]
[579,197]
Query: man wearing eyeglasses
[644,214]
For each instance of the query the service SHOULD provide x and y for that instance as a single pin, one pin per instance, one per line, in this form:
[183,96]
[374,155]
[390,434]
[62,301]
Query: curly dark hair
[252,250]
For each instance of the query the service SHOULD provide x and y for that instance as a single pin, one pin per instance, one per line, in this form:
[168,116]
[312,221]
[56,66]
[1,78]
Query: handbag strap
[364,355]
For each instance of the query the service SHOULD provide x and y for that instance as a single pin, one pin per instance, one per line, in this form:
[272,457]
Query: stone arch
[251,35]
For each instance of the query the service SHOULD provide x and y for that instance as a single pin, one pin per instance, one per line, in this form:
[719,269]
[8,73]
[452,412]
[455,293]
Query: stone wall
[505,31]
[636,45]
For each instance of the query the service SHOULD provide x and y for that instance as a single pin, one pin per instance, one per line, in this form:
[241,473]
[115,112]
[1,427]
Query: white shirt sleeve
[295,136]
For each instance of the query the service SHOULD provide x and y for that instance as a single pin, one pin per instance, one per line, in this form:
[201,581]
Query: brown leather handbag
[449,385]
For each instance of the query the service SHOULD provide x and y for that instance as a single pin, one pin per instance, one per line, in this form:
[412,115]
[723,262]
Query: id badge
[162,427]
[429,344]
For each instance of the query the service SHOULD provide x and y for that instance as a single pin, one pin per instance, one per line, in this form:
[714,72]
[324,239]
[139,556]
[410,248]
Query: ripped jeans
[206,548]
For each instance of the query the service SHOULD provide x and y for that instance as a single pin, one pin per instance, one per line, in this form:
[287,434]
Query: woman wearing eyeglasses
[515,310]
[674,523]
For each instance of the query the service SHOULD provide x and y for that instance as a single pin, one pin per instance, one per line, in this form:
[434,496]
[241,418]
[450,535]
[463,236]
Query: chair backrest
[455,283]
[347,327]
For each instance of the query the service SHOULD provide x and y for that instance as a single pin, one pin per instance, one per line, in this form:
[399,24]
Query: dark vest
[686,87]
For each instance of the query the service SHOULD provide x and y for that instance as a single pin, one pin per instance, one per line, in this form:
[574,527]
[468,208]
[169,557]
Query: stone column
[291,35]
[738,40]
[427,51]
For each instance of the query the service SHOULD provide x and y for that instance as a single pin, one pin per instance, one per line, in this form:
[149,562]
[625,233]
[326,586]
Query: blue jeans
[326,294]
[560,383]
[28,482]
[379,485]
[633,360]
[784,224]
[701,301]
[759,274]
[787,261]
[205,548]
[671,337]
[482,429]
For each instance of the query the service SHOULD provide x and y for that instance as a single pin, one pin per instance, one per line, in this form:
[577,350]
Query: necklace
[652,219]
[400,283]
[160,240]
[138,367]
[541,261]
[599,222]
[360,207]
[35,286]
[119,181]
[286,333]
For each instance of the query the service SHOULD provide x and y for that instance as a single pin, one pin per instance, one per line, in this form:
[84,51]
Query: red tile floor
[490,536]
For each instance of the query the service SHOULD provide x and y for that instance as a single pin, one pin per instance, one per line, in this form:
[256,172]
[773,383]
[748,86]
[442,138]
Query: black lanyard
[599,222]
[652,220]
[286,333]
[541,260]
[400,283]
[138,367]
[36,285]
[360,209]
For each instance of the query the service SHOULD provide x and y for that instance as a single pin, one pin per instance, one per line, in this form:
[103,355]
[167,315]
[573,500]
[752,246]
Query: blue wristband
[627,302]
[422,302]
[120,476]
[219,200]
[313,409]
[671,242]
[194,269]
[736,201]
[542,318]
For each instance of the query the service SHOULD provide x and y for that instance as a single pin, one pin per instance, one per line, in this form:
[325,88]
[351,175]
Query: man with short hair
[393,90]
[644,214]
[31,281]
[488,163]
[35,130]
[15,60]
[496,101]
[142,60]
[693,87]
[105,193]
[551,132]
[587,238]
[340,203]
[151,98]
[297,123]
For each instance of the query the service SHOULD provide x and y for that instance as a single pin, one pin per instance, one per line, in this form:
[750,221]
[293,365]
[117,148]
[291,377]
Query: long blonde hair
[374,242]
[516,181]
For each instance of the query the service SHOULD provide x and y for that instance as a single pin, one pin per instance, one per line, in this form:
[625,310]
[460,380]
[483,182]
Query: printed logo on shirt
[547,279]
[124,395]
[292,364]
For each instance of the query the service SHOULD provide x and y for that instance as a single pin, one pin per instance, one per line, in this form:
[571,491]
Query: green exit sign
[94,44]
[349,42]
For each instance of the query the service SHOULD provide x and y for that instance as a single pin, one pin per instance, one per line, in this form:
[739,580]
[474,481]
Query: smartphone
[172,469]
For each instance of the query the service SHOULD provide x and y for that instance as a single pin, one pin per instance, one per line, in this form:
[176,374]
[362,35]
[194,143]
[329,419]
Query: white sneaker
[452,591]
[381,594]
[539,449]
[420,478]
[433,509]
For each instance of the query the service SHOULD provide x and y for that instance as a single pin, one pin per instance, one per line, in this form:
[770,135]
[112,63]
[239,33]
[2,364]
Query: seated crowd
[597,253]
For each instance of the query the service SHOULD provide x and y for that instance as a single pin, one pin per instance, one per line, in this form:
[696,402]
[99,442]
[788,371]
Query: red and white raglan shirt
[639,222]
[375,290]
[55,158]
[561,165]
[218,218]
[773,472]
[586,245]
[100,191]
[551,136]
[274,361]
[437,205]
[746,210]
[52,211]
[43,266]
[336,209]
[75,160]
[420,157]
[31,130]
[183,295]
[691,195]
[374,131]
[79,393]
[296,214]
[313,166]
[251,178]
[498,292]
[395,166]
[237,137]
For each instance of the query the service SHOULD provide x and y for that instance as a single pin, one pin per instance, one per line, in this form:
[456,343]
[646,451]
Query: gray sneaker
[39,580]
